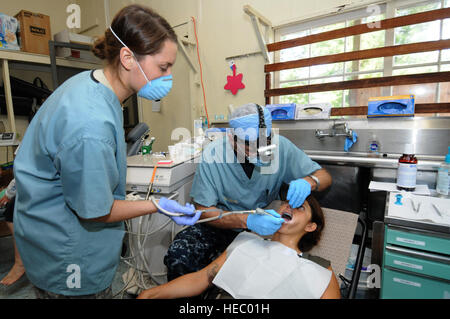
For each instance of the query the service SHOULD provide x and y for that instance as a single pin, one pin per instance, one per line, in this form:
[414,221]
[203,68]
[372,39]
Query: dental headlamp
[264,150]
[259,145]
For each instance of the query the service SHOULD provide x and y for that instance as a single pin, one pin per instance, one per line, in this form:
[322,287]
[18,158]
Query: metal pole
[359,260]
[52,45]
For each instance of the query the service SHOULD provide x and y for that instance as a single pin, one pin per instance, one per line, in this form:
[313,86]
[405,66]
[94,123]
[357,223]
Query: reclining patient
[253,267]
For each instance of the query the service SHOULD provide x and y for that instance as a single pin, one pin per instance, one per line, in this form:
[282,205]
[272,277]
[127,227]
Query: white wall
[176,108]
[224,30]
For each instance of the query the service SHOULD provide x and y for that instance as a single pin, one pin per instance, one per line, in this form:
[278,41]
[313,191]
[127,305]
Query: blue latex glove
[173,207]
[264,224]
[349,142]
[297,192]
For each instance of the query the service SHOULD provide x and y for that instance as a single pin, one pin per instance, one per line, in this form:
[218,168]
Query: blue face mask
[155,89]
[258,162]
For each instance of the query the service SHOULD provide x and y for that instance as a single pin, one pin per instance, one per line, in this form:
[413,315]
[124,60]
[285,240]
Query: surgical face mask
[155,89]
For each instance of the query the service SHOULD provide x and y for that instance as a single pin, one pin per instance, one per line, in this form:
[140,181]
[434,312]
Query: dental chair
[334,246]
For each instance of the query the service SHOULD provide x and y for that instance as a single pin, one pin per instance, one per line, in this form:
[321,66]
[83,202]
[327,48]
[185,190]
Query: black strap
[262,121]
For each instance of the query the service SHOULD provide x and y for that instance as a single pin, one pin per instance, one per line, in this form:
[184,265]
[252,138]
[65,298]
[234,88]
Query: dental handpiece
[258,211]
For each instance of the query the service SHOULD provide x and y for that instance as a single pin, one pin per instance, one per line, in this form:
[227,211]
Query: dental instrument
[436,209]
[415,209]
[258,211]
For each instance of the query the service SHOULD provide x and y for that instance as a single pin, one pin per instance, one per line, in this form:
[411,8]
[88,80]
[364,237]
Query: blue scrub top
[225,185]
[70,167]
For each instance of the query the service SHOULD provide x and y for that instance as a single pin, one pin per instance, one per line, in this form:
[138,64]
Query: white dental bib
[262,269]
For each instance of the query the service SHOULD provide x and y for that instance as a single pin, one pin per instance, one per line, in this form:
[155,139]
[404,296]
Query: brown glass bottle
[407,170]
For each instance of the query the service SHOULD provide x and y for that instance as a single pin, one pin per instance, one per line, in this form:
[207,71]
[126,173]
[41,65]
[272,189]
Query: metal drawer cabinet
[416,264]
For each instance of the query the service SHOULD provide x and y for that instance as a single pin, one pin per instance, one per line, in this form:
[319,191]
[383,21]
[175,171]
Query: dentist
[70,170]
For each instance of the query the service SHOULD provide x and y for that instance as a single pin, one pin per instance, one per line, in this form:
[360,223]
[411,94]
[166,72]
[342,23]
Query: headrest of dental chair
[137,132]
[134,141]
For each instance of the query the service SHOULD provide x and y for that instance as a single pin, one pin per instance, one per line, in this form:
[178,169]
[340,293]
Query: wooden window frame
[387,51]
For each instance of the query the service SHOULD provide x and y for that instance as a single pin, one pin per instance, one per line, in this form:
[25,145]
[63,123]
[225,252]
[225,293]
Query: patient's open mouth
[286,216]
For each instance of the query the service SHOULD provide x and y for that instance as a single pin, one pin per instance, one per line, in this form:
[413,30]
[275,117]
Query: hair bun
[99,48]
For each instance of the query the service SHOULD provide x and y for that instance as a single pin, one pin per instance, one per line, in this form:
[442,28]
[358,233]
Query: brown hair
[310,239]
[140,28]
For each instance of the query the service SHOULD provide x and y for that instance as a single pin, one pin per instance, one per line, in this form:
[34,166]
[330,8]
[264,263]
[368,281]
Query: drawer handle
[408,265]
[410,241]
[407,282]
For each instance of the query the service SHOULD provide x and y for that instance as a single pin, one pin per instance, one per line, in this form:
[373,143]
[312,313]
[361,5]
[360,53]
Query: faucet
[334,132]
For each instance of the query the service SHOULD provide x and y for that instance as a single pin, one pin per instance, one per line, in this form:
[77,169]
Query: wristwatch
[314,178]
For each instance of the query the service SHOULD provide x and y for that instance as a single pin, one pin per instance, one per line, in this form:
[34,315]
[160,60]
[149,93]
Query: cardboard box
[9,27]
[34,32]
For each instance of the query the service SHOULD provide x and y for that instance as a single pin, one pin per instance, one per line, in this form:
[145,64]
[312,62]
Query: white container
[313,111]
[70,37]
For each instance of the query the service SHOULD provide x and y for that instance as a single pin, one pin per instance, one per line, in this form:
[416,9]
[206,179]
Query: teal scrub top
[222,182]
[70,167]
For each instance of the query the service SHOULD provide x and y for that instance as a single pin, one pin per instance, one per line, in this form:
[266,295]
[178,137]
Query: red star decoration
[234,82]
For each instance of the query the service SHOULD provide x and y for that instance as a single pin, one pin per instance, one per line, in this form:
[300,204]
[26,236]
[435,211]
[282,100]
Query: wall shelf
[19,56]
[25,58]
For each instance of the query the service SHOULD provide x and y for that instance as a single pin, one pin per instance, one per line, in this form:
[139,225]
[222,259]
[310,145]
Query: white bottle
[443,180]
[407,169]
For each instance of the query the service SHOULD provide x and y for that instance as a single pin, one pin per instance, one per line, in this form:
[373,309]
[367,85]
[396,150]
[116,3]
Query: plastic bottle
[198,127]
[374,146]
[443,180]
[407,169]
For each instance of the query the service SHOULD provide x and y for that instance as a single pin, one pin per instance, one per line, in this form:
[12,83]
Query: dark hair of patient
[310,239]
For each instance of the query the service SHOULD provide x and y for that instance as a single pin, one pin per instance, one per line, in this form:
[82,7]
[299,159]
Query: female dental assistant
[71,167]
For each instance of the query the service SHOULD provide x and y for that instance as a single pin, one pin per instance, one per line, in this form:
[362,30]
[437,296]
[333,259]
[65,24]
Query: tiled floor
[22,289]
